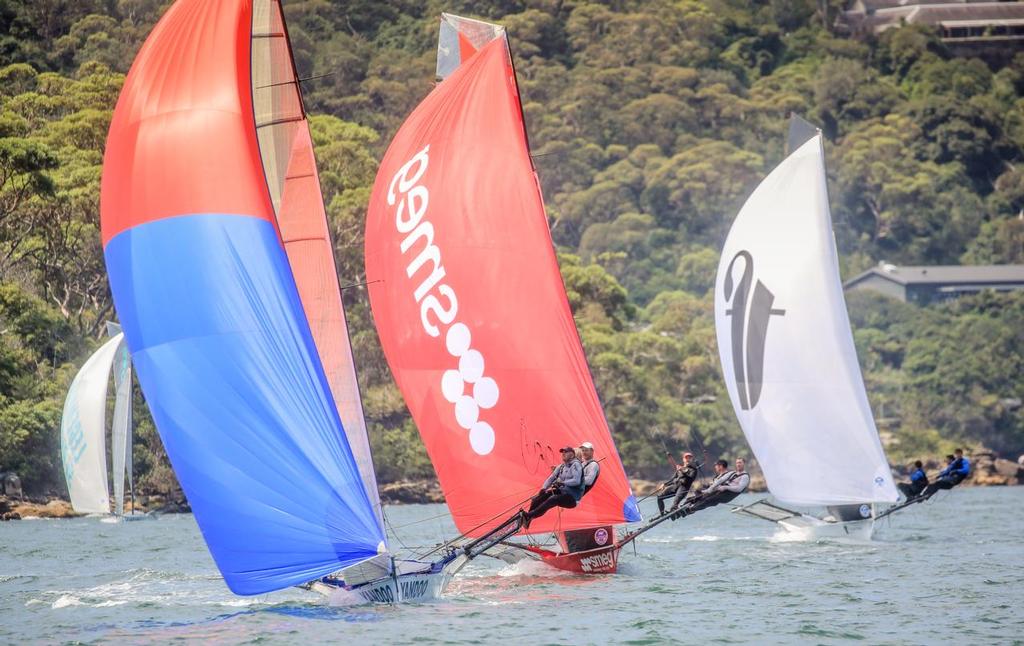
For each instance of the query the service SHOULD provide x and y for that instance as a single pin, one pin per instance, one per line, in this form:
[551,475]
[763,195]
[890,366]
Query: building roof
[944,274]
[879,15]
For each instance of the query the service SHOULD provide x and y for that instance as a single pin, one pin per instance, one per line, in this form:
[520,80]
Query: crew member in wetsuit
[591,468]
[951,476]
[918,481]
[680,484]
[724,488]
[563,488]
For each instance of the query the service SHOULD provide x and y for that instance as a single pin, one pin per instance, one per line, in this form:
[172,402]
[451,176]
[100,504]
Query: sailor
[680,484]
[951,476]
[726,486]
[591,468]
[918,481]
[563,488]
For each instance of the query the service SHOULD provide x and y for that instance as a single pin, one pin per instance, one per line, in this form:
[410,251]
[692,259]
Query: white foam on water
[532,567]
[66,600]
[706,538]
[341,598]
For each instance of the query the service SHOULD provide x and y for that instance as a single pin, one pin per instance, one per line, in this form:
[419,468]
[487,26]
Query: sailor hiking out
[954,473]
[917,484]
[563,488]
[679,485]
[724,488]
[591,467]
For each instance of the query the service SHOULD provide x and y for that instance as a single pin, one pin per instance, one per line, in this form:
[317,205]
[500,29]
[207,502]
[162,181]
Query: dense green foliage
[650,123]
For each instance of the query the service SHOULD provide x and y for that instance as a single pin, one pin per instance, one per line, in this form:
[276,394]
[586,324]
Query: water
[953,565]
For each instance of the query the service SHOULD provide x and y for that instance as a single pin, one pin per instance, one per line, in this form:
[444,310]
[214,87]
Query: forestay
[219,338]
[83,432]
[470,307]
[786,347]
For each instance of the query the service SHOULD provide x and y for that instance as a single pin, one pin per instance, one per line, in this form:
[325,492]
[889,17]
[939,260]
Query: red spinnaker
[471,310]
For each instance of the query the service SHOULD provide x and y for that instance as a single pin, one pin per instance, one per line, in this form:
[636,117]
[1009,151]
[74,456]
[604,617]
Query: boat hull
[601,560]
[403,588]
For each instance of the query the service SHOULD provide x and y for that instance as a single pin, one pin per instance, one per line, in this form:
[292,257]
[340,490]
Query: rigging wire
[473,529]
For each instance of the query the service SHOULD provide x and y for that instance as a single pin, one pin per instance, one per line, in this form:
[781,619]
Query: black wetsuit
[724,489]
[680,485]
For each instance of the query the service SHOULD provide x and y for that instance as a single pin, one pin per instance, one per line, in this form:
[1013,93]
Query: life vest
[588,487]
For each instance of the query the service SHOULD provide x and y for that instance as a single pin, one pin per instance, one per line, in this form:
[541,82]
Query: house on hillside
[927,284]
[967,27]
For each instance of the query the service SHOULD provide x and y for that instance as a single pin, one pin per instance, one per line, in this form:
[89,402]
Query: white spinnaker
[121,429]
[82,432]
[803,407]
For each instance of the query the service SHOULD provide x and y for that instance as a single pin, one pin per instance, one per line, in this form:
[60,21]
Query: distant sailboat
[788,355]
[83,429]
[223,276]
[471,311]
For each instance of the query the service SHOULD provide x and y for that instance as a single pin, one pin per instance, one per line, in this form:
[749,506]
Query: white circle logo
[601,536]
[484,391]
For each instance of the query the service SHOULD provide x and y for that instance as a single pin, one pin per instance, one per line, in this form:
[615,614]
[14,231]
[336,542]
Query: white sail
[121,429]
[82,432]
[786,347]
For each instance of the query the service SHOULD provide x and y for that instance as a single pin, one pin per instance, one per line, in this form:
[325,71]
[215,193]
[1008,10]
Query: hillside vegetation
[650,123]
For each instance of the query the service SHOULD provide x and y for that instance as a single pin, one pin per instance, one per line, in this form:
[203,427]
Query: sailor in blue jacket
[951,476]
[918,481]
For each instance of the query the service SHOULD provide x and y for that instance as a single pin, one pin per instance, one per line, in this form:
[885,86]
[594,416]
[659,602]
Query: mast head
[459,38]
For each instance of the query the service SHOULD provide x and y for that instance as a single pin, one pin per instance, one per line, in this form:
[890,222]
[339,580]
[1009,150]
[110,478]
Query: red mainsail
[471,310]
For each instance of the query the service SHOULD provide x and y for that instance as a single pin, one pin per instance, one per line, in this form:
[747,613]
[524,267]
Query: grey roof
[881,14]
[944,274]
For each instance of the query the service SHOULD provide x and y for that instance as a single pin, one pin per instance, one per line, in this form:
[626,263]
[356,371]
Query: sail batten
[786,347]
[289,161]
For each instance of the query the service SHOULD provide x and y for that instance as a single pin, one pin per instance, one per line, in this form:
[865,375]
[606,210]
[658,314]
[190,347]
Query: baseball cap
[586,445]
[566,449]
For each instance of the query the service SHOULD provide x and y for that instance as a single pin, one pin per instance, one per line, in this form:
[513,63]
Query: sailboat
[83,431]
[223,277]
[788,356]
[472,313]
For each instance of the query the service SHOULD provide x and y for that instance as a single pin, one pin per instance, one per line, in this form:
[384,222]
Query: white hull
[812,529]
[403,588]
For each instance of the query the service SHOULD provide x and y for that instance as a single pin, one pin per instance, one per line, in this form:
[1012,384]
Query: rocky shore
[987,470]
[15,508]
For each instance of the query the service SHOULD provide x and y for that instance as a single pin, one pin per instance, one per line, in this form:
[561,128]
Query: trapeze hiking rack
[672,514]
[903,505]
[497,535]
[766,511]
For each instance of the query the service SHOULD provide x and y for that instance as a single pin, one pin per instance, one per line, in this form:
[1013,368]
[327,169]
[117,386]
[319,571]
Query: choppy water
[954,566]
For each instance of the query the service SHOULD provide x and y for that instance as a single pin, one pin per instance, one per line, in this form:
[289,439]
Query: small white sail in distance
[786,347]
[82,432]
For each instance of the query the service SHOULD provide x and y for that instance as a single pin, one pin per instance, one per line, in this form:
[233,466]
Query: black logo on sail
[749,328]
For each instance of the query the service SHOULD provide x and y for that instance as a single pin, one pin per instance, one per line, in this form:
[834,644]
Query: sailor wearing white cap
[591,469]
